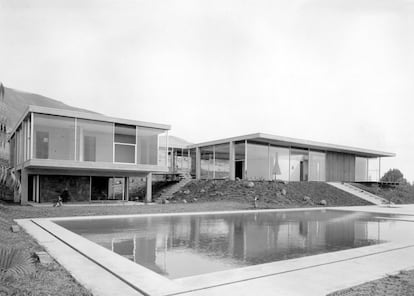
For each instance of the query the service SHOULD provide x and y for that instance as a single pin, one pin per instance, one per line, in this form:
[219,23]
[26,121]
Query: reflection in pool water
[187,245]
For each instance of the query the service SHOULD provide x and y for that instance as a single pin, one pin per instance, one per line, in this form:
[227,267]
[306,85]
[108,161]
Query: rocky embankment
[265,194]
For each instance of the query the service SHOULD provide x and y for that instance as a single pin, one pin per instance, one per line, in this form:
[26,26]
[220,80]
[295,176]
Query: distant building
[84,156]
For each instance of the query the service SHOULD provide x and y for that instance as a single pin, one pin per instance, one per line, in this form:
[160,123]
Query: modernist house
[92,157]
[88,155]
[269,157]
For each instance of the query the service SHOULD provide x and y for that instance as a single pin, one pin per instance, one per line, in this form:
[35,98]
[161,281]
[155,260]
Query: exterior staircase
[186,178]
[368,196]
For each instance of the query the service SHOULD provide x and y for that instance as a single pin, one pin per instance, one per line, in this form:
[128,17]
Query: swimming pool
[184,245]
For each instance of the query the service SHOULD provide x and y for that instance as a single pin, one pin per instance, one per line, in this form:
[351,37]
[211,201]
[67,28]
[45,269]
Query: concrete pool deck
[106,273]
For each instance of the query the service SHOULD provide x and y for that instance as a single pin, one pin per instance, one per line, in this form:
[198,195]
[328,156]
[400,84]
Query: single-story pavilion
[268,157]
[88,156]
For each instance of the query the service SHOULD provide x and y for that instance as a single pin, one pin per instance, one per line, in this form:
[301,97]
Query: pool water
[178,246]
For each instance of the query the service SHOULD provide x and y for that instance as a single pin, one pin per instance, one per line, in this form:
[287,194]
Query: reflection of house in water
[170,245]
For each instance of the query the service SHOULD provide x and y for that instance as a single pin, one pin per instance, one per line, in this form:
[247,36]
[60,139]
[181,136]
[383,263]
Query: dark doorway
[99,190]
[239,167]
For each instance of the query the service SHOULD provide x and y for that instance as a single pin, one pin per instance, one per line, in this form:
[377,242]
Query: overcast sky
[336,71]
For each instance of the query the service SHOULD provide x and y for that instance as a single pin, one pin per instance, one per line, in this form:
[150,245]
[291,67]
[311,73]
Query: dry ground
[205,196]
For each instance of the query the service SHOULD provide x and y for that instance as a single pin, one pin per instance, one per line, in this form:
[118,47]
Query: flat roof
[85,115]
[299,143]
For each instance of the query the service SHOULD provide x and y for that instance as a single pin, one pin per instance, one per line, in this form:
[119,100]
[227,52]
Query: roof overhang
[298,143]
[85,115]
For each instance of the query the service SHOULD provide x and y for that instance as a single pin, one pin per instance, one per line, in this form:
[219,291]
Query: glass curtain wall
[53,137]
[257,161]
[162,148]
[94,141]
[317,165]
[373,169]
[125,143]
[222,161]
[207,162]
[299,165]
[279,163]
[147,152]
[361,169]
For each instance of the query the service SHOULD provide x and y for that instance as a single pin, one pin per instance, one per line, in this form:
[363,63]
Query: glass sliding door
[207,162]
[240,157]
[222,161]
[299,165]
[257,161]
[317,166]
[279,163]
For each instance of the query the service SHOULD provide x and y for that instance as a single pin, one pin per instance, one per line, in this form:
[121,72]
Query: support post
[148,196]
[198,163]
[126,188]
[232,161]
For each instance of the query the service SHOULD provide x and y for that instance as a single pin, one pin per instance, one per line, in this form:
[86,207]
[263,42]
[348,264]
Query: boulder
[249,184]
[323,202]
[284,192]
[186,191]
[184,201]
[202,190]
[307,198]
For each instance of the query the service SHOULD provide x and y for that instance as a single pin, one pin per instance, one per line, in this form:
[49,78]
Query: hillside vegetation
[17,102]
[402,194]
[269,194]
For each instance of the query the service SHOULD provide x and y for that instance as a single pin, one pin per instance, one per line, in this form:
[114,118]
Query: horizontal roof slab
[298,143]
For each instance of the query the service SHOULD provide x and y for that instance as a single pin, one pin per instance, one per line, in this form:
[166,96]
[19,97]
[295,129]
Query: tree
[7,174]
[394,175]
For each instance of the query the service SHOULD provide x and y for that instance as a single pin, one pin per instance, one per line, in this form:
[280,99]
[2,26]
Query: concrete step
[174,188]
[365,195]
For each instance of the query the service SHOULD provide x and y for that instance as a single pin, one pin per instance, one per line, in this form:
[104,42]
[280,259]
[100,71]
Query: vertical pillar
[198,163]
[24,181]
[148,196]
[232,160]
[214,162]
[245,160]
[126,188]
[379,169]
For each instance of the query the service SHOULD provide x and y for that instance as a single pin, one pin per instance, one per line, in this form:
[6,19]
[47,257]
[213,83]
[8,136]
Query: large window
[54,137]
[257,161]
[316,166]
[147,152]
[125,143]
[94,141]
[279,163]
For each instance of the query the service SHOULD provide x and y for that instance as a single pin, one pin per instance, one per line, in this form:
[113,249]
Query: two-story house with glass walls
[83,157]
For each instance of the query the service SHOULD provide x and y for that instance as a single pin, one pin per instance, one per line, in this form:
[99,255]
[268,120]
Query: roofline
[84,115]
[299,143]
